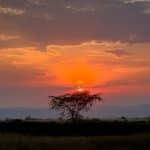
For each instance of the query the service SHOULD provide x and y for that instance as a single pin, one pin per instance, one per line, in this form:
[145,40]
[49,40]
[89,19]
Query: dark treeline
[80,128]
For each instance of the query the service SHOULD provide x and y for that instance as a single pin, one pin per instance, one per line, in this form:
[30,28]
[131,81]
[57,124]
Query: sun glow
[79,89]
[78,74]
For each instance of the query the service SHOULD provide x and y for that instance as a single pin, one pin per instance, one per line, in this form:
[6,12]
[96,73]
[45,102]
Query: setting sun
[76,74]
[79,89]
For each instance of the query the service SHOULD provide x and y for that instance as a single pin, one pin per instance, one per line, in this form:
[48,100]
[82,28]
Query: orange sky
[52,46]
[90,64]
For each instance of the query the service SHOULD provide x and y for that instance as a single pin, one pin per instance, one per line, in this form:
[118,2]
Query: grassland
[81,135]
[21,142]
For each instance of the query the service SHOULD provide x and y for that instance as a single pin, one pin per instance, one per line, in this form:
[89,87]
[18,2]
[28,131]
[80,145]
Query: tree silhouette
[71,105]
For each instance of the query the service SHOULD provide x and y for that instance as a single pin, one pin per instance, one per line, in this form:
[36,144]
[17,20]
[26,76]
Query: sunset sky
[53,46]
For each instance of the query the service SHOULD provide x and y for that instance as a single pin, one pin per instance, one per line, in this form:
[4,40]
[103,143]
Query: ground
[128,142]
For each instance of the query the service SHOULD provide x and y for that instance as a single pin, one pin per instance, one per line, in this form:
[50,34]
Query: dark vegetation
[81,135]
[129,142]
[79,128]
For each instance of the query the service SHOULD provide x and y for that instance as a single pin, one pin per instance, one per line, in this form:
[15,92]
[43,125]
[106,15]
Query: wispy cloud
[4,37]
[80,21]
[134,1]
[119,52]
[84,9]
[37,2]
[11,11]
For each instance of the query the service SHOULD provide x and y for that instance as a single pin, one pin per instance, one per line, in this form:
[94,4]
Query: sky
[50,47]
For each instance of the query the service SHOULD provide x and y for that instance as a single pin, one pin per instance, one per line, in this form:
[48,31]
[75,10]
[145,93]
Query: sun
[79,89]
[78,74]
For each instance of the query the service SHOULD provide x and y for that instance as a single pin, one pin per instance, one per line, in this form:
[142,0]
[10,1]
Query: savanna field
[83,135]
[128,142]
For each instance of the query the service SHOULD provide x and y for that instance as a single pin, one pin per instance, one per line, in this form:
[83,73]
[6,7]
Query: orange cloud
[87,64]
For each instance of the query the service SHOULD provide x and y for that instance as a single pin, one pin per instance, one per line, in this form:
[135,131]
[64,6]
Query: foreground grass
[20,142]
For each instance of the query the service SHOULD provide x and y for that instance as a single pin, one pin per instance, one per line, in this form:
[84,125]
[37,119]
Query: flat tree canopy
[71,104]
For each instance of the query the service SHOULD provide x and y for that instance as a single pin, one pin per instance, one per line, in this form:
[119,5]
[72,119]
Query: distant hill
[104,111]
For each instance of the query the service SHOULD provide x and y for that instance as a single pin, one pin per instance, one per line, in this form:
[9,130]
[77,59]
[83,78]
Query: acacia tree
[71,105]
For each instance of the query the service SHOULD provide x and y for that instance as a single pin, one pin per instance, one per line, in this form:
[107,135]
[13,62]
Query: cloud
[147,10]
[84,9]
[80,21]
[37,2]
[119,52]
[11,11]
[135,1]
[141,80]
[4,37]
[26,66]
[60,64]
[144,3]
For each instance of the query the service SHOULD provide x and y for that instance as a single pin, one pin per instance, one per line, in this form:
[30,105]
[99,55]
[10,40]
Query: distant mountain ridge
[104,111]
